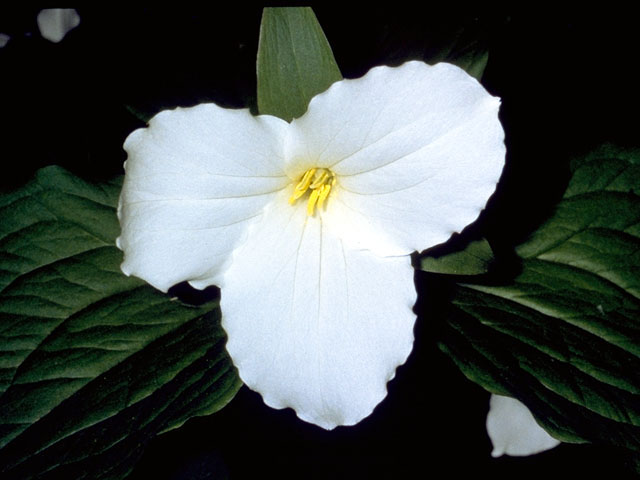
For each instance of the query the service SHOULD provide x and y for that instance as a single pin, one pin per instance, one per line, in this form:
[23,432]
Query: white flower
[55,23]
[513,430]
[317,286]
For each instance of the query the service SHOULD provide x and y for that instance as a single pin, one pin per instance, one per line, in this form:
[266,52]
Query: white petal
[195,179]
[325,327]
[417,150]
[55,23]
[513,430]
[4,39]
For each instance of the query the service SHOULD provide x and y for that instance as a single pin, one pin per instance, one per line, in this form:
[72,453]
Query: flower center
[319,181]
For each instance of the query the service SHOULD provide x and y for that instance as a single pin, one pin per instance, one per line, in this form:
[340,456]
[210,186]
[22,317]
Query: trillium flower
[308,226]
[513,430]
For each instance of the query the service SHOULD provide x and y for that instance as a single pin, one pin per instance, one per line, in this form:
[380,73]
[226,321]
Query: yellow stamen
[313,198]
[319,181]
[324,193]
[302,185]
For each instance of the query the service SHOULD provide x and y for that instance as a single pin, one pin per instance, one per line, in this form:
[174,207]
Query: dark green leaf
[463,47]
[564,337]
[295,62]
[474,259]
[139,113]
[92,363]
[459,38]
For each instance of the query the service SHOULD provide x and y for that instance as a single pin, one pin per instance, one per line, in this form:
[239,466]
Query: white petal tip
[124,268]
[327,422]
[330,417]
[201,284]
[514,431]
[495,453]
[4,39]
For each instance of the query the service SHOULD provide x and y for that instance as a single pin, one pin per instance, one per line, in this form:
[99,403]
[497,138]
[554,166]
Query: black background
[567,82]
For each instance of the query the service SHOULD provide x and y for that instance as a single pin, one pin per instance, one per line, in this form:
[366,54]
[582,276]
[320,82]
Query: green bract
[295,62]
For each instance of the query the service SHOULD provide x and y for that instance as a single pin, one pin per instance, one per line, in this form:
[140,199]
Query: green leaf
[453,38]
[474,259]
[564,336]
[92,363]
[295,61]
[468,53]
[139,114]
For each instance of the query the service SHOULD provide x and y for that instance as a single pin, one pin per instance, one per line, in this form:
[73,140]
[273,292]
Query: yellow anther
[296,195]
[302,186]
[324,193]
[304,183]
[313,198]
[319,181]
